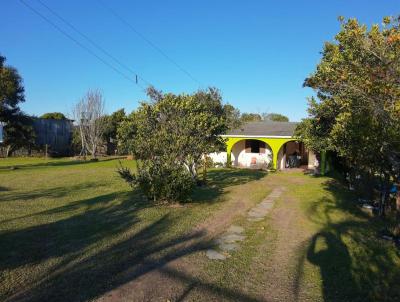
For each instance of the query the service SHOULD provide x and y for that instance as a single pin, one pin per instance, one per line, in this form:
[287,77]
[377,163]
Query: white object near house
[218,158]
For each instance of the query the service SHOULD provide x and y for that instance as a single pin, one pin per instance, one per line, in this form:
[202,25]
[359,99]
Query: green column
[323,162]
[228,157]
[275,158]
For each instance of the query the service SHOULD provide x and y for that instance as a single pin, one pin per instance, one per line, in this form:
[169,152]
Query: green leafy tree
[126,132]
[18,131]
[232,116]
[170,137]
[53,116]
[11,91]
[250,117]
[112,122]
[357,113]
[76,141]
[275,117]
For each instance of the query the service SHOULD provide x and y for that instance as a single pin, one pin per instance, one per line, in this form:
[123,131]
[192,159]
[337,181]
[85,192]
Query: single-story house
[267,145]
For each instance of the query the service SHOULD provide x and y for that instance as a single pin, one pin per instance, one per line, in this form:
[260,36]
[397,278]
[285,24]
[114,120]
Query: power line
[79,43]
[92,42]
[116,15]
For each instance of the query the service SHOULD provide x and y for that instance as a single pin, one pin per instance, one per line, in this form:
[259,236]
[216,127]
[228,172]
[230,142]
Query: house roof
[266,128]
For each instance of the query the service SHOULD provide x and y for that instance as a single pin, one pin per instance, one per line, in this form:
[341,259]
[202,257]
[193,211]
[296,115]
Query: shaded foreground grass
[354,263]
[332,252]
[72,231]
[75,231]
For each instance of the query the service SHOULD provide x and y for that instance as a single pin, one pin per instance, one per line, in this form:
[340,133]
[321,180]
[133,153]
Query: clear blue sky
[256,52]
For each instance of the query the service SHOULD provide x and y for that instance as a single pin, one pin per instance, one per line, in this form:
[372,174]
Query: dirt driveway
[269,264]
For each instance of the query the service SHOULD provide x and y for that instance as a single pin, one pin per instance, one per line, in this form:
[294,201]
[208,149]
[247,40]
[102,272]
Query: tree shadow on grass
[80,275]
[79,278]
[354,264]
[55,163]
[216,292]
[220,179]
[84,256]
[232,177]
[70,235]
[53,192]
[84,279]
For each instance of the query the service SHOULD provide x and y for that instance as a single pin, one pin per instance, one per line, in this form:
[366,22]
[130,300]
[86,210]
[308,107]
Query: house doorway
[292,154]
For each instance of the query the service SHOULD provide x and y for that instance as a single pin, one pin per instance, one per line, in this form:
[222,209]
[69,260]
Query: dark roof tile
[265,129]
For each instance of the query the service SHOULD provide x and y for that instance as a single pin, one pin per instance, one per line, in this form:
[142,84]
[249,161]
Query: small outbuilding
[56,134]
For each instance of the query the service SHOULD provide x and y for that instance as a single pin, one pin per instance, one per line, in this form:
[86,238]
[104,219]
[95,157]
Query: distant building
[56,134]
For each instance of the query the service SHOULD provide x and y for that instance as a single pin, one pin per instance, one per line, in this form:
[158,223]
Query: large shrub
[170,137]
[160,181]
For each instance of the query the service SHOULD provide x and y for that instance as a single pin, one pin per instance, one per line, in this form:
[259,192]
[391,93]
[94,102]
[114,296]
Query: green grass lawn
[344,253]
[75,225]
[73,231]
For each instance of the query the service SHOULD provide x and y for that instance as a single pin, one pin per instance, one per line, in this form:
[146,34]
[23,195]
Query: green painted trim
[275,144]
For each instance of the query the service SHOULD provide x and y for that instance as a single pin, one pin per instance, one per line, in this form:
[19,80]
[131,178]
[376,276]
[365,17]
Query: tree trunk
[385,194]
[204,170]
[397,229]
[398,199]
[192,169]
[8,150]
[94,147]
[83,142]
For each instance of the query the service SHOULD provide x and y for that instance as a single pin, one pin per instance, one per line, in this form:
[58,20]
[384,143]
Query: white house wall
[312,160]
[242,159]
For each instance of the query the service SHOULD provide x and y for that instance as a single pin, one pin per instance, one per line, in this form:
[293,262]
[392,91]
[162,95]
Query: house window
[254,146]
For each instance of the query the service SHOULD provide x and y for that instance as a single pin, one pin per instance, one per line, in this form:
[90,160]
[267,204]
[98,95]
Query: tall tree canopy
[232,116]
[256,117]
[275,117]
[18,130]
[357,113]
[250,117]
[111,124]
[11,91]
[53,116]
